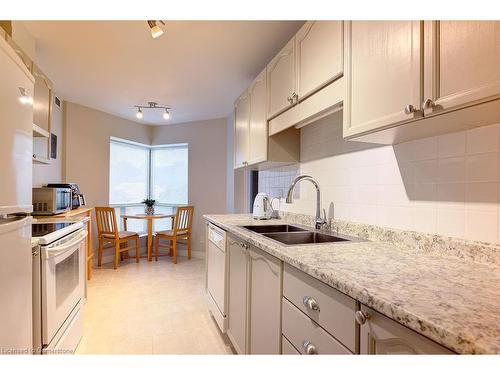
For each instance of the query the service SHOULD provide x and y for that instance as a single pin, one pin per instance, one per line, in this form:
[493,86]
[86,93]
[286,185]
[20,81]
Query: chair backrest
[183,219]
[106,221]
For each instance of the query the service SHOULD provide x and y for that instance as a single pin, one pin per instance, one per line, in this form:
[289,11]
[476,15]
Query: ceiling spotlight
[156,31]
[153,105]
[25,97]
[166,114]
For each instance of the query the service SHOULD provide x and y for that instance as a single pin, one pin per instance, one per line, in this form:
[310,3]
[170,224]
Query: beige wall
[207,167]
[86,149]
[87,134]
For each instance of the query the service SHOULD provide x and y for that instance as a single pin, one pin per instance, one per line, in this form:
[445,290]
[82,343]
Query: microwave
[51,200]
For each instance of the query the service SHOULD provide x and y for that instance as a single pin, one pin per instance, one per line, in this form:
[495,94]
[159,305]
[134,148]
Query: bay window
[137,172]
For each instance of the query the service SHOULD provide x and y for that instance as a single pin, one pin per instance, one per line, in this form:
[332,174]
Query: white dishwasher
[217,267]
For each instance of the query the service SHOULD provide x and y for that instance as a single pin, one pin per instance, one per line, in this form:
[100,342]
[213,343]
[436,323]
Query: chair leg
[99,253]
[174,249]
[137,250]
[170,248]
[117,252]
[189,245]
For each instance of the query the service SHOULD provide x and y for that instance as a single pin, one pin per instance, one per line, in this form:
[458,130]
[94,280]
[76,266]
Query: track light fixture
[156,31]
[152,105]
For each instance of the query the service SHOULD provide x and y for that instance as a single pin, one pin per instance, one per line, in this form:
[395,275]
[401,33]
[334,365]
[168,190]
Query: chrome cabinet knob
[295,97]
[289,99]
[310,303]
[361,317]
[409,109]
[428,103]
[309,348]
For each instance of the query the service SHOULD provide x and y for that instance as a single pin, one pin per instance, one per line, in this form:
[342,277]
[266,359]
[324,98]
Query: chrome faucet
[320,221]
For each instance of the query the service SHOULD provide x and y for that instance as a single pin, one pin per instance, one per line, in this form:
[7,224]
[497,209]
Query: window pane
[128,175]
[169,168]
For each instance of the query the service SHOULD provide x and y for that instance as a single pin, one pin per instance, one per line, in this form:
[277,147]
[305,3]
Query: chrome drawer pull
[310,303]
[361,317]
[309,348]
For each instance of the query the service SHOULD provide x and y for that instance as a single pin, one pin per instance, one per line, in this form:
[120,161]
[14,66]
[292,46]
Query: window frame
[149,181]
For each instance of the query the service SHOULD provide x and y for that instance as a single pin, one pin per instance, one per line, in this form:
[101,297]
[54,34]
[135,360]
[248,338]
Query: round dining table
[149,219]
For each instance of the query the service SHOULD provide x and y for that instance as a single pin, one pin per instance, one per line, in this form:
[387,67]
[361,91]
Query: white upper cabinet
[258,120]
[383,72]
[463,61]
[42,99]
[319,55]
[281,78]
[241,129]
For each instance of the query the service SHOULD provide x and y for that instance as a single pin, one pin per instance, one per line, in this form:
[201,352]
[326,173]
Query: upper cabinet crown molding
[383,70]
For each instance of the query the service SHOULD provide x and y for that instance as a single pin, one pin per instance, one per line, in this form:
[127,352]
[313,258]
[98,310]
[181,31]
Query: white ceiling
[196,67]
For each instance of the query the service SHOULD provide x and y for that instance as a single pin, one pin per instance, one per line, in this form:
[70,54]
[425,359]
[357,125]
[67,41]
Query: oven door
[63,279]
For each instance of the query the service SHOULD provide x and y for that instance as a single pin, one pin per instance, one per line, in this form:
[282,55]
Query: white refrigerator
[16,144]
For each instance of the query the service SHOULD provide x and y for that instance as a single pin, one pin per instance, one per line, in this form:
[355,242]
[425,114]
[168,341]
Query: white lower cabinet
[381,335]
[275,308]
[306,335]
[264,303]
[332,310]
[254,299]
[237,322]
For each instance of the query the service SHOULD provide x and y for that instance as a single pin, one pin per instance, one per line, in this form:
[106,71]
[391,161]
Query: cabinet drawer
[299,329]
[286,347]
[336,310]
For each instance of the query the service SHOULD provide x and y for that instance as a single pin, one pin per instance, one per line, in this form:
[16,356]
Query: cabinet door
[264,303]
[381,335]
[241,130]
[238,264]
[42,99]
[258,120]
[320,55]
[463,59]
[281,80]
[383,74]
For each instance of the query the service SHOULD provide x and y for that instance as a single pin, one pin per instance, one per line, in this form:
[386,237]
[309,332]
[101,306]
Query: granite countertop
[451,301]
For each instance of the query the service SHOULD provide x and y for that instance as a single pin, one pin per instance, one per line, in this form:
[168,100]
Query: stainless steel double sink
[297,235]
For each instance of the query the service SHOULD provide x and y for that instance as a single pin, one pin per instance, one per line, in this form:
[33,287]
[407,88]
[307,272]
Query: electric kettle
[262,209]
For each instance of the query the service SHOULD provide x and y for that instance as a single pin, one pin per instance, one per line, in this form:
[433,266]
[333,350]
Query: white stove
[58,285]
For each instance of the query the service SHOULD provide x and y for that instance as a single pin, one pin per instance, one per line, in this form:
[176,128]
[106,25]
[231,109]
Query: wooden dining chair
[181,230]
[107,231]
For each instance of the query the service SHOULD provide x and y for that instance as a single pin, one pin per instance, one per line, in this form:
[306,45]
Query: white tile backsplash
[447,185]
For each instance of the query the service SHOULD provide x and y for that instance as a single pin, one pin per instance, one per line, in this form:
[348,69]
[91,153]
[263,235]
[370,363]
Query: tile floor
[150,308]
